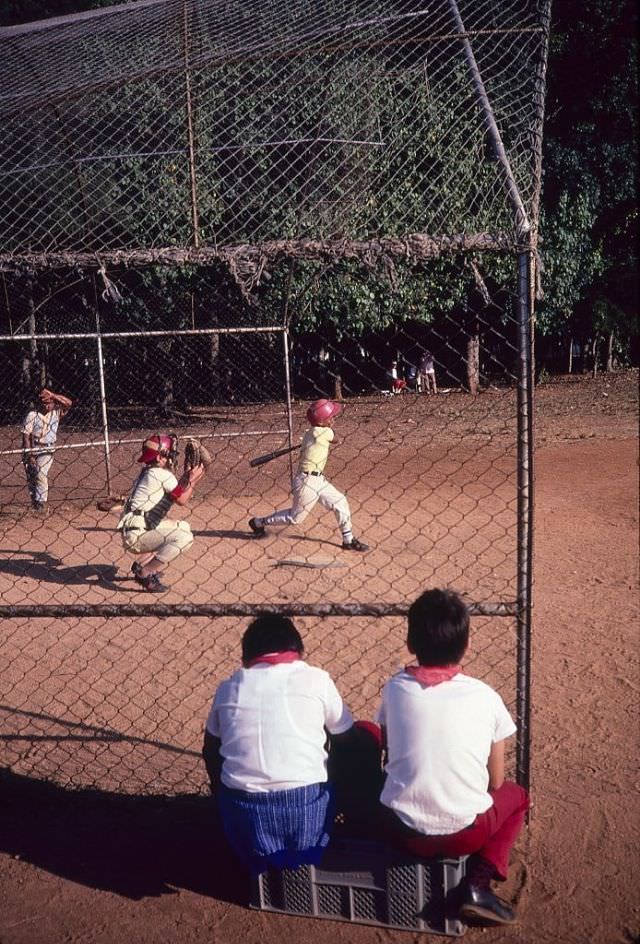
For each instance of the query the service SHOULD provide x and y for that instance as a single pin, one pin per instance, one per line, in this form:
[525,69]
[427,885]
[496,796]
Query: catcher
[142,523]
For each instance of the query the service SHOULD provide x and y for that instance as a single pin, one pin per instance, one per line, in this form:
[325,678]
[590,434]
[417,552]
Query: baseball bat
[260,460]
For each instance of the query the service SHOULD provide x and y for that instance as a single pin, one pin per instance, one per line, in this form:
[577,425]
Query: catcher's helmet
[322,410]
[156,446]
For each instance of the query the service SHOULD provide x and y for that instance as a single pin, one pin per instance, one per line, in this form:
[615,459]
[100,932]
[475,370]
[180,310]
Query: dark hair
[270,633]
[438,627]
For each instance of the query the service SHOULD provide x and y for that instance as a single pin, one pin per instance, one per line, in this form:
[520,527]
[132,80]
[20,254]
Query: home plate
[309,562]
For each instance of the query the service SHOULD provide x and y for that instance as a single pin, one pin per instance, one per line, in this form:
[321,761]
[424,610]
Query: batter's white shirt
[152,487]
[315,449]
[439,738]
[271,720]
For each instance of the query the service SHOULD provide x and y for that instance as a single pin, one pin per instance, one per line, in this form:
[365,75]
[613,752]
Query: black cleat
[355,545]
[136,569]
[151,584]
[481,905]
[258,529]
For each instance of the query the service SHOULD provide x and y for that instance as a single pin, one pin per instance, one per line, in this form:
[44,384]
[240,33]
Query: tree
[590,217]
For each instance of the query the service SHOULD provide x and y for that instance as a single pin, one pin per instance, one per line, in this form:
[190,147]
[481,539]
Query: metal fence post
[103,395]
[524,516]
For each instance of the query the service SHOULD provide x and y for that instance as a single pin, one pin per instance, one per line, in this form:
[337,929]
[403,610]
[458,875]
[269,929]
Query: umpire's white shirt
[271,720]
[439,738]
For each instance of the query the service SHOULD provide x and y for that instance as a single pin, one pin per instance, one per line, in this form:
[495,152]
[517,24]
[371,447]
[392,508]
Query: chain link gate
[274,269]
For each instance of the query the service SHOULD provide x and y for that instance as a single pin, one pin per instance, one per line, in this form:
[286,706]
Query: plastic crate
[368,883]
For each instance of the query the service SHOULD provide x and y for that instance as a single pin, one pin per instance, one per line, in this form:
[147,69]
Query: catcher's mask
[160,445]
[321,411]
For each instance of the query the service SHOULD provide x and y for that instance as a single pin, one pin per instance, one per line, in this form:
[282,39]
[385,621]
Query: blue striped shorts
[281,829]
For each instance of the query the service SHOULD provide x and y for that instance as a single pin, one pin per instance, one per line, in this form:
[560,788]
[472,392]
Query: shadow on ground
[134,846]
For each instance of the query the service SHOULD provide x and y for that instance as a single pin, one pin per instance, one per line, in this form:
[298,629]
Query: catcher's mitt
[196,454]
[110,502]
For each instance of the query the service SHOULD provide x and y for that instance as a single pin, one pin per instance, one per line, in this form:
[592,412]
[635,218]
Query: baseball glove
[196,454]
[110,502]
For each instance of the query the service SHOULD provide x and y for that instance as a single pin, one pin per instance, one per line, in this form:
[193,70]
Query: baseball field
[102,716]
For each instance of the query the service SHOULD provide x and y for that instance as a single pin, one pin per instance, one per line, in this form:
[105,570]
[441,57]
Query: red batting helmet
[322,410]
[156,446]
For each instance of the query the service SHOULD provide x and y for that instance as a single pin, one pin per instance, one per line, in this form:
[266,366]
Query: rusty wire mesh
[214,215]
[180,124]
[431,480]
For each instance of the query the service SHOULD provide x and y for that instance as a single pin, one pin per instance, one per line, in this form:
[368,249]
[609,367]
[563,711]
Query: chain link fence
[206,233]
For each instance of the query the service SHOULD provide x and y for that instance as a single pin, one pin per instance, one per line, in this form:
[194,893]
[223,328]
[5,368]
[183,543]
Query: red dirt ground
[75,869]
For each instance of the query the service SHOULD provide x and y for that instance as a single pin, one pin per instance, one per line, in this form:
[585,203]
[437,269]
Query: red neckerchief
[274,658]
[433,674]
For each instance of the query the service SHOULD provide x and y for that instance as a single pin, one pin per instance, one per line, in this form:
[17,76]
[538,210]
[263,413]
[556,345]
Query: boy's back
[272,720]
[439,738]
[445,793]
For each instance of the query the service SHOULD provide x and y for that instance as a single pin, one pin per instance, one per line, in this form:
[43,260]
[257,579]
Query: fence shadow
[134,846]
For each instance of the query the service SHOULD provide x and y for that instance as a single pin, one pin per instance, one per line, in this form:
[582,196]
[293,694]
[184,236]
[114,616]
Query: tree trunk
[337,387]
[30,359]
[570,354]
[473,360]
[609,366]
[594,355]
[215,380]
[167,394]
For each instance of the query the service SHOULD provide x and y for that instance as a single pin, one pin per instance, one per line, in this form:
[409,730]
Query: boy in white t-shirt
[264,749]
[445,791]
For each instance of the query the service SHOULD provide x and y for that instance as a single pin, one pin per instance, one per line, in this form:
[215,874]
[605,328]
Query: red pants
[491,835]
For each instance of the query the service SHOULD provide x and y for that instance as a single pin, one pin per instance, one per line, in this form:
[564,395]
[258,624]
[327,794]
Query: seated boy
[445,791]
[264,749]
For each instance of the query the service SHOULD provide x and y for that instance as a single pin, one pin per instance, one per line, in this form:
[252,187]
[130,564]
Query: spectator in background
[397,382]
[427,374]
[39,434]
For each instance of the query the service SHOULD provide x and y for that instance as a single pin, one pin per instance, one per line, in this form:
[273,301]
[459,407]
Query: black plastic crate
[368,883]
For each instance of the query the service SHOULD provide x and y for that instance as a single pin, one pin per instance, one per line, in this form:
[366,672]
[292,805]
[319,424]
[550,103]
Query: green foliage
[590,217]
[347,175]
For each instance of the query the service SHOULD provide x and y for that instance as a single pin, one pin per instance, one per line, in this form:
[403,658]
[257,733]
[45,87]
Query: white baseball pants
[169,539]
[38,476]
[307,491]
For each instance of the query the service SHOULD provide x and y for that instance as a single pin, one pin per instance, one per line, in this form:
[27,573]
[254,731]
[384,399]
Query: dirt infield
[75,868]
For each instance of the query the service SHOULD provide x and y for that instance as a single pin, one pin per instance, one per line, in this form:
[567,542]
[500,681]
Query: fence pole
[195,218]
[287,380]
[523,225]
[103,395]
[525,516]
[286,319]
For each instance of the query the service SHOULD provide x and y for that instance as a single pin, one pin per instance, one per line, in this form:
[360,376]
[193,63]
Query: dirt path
[144,871]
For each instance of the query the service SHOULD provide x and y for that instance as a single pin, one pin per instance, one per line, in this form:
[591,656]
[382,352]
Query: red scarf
[429,675]
[274,658]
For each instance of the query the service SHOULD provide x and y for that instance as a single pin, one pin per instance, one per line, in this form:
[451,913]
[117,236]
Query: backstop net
[212,215]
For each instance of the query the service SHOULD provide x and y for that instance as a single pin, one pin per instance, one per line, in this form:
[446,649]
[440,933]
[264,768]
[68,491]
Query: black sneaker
[481,905]
[355,545]
[151,584]
[258,529]
[136,569]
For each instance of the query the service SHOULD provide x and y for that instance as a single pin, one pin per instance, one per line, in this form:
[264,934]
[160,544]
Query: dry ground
[77,868]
